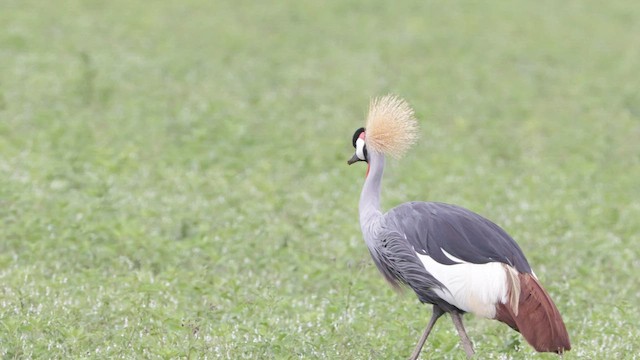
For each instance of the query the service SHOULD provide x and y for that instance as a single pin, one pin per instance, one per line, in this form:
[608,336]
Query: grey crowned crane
[451,257]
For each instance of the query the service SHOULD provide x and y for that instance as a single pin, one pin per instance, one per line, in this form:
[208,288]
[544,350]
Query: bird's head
[360,146]
[391,129]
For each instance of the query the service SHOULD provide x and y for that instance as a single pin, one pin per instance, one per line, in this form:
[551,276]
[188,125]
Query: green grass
[173,178]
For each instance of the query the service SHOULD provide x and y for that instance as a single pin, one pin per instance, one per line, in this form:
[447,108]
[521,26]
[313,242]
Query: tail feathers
[536,317]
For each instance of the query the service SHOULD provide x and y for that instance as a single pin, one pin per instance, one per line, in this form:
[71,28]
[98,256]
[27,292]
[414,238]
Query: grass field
[173,178]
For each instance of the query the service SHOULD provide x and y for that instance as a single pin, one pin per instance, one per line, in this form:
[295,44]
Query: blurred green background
[173,178]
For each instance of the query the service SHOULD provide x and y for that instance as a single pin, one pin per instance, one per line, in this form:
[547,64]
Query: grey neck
[370,213]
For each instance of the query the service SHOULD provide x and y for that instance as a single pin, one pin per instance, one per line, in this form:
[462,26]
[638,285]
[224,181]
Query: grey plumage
[397,261]
[431,227]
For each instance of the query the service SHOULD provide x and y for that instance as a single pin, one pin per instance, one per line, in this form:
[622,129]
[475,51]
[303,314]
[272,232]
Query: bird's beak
[353,159]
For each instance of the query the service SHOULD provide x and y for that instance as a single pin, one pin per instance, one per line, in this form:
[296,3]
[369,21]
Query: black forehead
[356,135]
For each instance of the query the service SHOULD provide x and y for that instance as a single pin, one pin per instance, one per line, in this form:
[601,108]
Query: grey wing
[397,261]
[433,227]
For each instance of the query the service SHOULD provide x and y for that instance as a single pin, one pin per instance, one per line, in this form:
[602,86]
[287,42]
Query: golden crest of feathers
[391,126]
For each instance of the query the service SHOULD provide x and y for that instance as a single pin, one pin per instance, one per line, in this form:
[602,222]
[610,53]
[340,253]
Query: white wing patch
[453,258]
[475,288]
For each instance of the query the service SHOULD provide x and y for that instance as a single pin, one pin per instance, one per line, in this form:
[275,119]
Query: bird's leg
[437,312]
[466,343]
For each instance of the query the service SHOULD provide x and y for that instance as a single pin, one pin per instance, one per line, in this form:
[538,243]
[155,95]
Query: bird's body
[451,257]
[446,243]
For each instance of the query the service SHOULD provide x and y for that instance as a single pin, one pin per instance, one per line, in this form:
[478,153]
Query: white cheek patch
[360,149]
